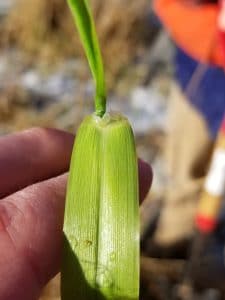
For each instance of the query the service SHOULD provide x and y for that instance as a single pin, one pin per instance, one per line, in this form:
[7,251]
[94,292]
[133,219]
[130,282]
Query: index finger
[31,156]
[39,154]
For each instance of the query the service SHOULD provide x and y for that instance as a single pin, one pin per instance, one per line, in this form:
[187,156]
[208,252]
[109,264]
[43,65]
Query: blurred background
[165,71]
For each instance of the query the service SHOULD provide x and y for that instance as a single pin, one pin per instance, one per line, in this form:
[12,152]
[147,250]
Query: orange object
[194,28]
[207,212]
[205,224]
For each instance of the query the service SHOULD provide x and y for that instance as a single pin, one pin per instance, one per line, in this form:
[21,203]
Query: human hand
[32,193]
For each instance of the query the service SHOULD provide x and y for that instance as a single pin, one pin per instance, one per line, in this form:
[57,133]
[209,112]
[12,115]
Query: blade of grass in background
[86,28]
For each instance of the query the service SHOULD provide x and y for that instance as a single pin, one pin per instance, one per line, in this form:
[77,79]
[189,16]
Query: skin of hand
[33,166]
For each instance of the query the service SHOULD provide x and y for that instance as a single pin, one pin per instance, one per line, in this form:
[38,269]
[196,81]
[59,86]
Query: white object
[215,181]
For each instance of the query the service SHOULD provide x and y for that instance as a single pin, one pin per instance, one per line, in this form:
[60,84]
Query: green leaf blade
[86,28]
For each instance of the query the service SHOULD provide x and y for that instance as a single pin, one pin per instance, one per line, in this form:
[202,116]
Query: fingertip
[145,178]
[32,156]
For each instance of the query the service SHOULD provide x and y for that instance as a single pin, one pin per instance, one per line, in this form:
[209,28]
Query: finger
[30,238]
[145,178]
[32,156]
[31,223]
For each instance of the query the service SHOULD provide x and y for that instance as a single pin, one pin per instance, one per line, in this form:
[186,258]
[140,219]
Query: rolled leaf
[101,227]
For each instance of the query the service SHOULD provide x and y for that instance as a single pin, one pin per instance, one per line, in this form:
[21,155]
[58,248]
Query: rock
[6,6]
